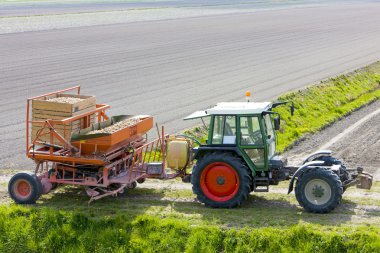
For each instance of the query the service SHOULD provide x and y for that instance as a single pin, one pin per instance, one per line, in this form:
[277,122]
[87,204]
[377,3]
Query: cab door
[270,136]
[251,141]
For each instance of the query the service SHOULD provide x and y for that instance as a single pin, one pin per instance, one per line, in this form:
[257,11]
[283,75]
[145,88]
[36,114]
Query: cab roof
[232,108]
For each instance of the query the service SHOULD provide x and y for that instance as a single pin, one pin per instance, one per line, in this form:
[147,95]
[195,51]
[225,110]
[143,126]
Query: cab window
[224,131]
[250,131]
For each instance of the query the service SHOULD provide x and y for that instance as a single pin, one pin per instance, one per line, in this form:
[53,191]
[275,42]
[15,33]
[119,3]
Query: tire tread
[237,164]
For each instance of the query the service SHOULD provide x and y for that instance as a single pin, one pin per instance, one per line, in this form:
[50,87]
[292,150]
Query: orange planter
[98,143]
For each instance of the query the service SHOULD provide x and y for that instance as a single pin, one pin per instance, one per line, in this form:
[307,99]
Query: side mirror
[277,123]
[292,110]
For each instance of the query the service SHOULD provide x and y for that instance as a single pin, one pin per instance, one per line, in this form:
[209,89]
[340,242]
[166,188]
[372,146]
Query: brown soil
[358,148]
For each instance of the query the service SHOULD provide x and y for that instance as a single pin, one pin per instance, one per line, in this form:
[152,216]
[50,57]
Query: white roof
[226,108]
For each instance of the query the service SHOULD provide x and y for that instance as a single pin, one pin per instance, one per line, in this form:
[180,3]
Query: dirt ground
[359,147]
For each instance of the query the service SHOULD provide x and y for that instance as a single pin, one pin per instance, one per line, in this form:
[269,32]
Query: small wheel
[50,173]
[25,188]
[319,190]
[221,180]
[141,180]
[132,185]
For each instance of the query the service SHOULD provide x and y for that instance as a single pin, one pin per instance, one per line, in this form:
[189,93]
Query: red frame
[66,158]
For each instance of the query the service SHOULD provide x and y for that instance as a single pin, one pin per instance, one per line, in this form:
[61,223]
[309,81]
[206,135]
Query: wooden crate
[42,109]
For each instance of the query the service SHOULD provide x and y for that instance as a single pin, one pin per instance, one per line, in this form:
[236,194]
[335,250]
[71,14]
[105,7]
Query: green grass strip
[24,229]
[320,105]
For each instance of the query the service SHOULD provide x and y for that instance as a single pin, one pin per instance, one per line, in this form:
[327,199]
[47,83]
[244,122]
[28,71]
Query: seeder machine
[73,141]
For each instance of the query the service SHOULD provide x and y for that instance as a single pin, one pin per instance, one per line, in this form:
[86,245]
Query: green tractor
[240,157]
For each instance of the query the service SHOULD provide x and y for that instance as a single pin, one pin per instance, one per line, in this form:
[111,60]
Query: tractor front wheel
[221,180]
[319,190]
[25,188]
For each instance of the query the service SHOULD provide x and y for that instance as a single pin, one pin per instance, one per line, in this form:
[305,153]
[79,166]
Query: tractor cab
[244,128]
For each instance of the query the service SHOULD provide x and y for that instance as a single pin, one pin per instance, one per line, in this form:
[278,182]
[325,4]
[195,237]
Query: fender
[204,149]
[317,154]
[302,169]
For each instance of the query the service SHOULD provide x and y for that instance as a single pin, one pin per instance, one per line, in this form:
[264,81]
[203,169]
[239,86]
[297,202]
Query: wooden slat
[81,105]
[51,106]
[45,114]
[44,117]
[74,124]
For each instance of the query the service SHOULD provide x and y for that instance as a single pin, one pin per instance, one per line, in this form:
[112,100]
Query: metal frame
[122,165]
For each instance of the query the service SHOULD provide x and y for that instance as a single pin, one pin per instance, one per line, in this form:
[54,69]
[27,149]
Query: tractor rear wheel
[25,188]
[319,190]
[221,180]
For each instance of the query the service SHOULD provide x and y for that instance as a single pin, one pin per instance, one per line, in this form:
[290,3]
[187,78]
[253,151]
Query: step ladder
[261,184]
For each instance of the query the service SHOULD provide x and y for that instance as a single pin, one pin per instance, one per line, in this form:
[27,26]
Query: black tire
[39,185]
[25,188]
[319,190]
[132,185]
[236,170]
[53,185]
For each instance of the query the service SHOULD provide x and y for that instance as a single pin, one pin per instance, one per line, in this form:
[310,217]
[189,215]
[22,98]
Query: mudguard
[201,150]
[317,154]
[302,169]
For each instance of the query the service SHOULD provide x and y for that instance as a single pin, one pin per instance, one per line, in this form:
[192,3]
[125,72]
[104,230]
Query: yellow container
[177,154]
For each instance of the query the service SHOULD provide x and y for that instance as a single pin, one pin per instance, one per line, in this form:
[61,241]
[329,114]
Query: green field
[166,218]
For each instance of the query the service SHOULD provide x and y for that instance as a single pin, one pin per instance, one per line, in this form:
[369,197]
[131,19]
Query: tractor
[240,157]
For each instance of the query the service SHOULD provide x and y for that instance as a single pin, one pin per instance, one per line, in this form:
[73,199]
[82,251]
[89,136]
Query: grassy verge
[162,219]
[28,229]
[320,105]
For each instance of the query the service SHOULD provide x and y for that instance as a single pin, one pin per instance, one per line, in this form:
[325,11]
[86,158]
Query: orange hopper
[94,141]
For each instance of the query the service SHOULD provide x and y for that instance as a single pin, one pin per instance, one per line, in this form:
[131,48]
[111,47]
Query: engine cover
[278,162]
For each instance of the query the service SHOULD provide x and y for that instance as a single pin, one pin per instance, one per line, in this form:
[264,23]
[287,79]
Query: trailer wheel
[50,173]
[132,185]
[25,188]
[319,190]
[221,180]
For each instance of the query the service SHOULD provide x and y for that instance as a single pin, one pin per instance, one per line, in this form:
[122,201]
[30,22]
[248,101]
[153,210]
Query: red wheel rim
[22,189]
[219,182]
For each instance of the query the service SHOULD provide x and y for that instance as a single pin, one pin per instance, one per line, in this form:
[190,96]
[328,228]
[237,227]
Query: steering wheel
[256,137]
